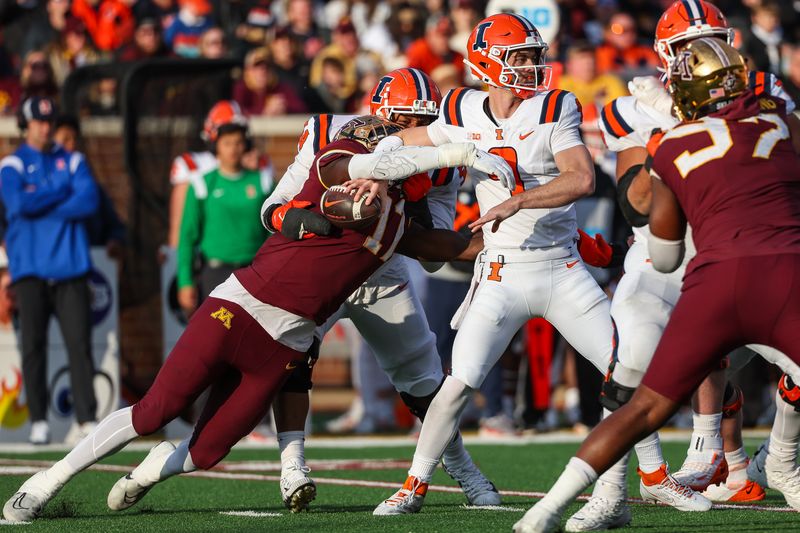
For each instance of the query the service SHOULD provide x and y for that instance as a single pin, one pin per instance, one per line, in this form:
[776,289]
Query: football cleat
[757,469]
[27,503]
[477,489]
[661,487]
[297,489]
[701,469]
[497,426]
[538,520]
[407,500]
[737,488]
[131,488]
[600,514]
[788,483]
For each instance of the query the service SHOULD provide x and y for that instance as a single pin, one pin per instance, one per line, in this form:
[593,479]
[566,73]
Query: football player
[190,167]
[529,267]
[257,326]
[645,298]
[386,309]
[729,170]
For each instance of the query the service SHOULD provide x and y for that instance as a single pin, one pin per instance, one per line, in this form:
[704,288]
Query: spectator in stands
[104,227]
[792,84]
[762,43]
[36,76]
[369,17]
[433,49]
[109,22]
[148,42]
[161,11]
[446,77]
[9,82]
[333,94]
[184,31]
[212,44]
[218,219]
[103,98]
[260,91]
[620,53]
[582,79]
[71,50]
[336,81]
[465,14]
[406,24]
[46,31]
[48,192]
[256,25]
[287,60]
[303,29]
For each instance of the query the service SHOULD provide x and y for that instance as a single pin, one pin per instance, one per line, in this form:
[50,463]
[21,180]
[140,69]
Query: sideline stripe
[212,474]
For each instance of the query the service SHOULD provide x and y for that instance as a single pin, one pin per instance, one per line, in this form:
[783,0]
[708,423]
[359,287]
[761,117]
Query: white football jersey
[628,123]
[321,130]
[540,127]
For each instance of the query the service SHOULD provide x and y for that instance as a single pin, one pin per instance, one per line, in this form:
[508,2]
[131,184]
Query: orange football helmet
[686,20]
[224,112]
[490,46]
[405,91]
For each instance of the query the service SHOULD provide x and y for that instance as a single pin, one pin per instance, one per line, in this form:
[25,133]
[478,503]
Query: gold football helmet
[368,130]
[706,75]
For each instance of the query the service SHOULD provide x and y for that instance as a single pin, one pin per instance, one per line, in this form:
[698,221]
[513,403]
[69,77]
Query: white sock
[737,477]
[736,457]
[705,434]
[178,462]
[110,435]
[613,484]
[648,450]
[577,476]
[784,437]
[441,424]
[292,446]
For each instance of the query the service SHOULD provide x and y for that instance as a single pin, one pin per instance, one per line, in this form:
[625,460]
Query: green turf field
[197,503]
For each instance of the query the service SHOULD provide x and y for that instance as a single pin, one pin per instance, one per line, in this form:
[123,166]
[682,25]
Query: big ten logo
[101,296]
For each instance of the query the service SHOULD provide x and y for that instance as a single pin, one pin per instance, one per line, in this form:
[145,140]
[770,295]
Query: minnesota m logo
[224,316]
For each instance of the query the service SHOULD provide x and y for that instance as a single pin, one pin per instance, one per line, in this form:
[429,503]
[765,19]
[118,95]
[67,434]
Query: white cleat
[736,489]
[131,488]
[30,499]
[702,469]
[788,483]
[600,514]
[297,489]
[660,487]
[757,469]
[407,500]
[538,520]
[477,489]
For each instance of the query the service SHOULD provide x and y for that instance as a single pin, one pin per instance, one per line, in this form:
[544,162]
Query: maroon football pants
[225,348]
[725,305]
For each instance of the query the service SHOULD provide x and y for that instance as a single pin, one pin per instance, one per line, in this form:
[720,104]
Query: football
[338,206]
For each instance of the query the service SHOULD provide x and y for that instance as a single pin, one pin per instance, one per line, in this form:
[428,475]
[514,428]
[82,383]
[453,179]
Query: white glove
[494,165]
[388,143]
[650,91]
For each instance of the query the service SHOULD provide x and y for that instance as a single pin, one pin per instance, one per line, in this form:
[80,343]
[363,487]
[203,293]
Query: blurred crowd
[306,56]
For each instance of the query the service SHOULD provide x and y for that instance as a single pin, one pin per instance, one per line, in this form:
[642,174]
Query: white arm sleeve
[666,255]
[567,133]
[409,160]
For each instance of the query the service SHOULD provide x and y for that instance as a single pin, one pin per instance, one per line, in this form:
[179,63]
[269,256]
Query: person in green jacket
[221,219]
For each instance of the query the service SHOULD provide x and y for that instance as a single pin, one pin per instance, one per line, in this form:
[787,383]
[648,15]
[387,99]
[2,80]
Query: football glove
[597,252]
[294,221]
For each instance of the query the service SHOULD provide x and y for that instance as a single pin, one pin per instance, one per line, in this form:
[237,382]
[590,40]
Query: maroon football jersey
[737,178]
[313,277]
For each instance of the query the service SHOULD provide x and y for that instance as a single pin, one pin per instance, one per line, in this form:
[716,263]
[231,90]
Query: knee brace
[300,378]
[789,392]
[418,405]
[613,395]
[732,401]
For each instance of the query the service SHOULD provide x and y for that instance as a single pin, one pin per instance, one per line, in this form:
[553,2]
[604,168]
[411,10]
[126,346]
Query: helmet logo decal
[681,66]
[378,96]
[480,40]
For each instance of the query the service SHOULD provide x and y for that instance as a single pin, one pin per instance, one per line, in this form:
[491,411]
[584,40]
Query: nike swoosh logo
[291,365]
[129,499]
[18,502]
[329,203]
[572,264]
[524,136]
